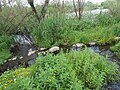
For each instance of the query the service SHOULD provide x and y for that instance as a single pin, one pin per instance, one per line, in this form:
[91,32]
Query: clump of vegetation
[59,30]
[83,70]
[4,55]
[116,49]
[76,70]
[5,43]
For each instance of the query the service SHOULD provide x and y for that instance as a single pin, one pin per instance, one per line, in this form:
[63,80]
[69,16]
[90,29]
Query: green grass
[116,49]
[59,30]
[83,70]
[5,43]
[4,55]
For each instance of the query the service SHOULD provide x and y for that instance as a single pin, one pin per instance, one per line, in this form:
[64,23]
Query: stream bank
[25,54]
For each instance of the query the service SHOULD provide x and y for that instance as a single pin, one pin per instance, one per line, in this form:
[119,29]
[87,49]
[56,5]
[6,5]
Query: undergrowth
[83,70]
[5,43]
[59,30]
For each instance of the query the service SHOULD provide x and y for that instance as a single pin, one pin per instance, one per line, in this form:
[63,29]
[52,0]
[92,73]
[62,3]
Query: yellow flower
[9,81]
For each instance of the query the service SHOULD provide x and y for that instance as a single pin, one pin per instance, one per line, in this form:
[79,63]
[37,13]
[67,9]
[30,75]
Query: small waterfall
[23,39]
[23,52]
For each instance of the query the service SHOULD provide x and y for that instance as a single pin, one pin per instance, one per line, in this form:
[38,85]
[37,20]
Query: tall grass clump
[106,19]
[47,31]
[59,30]
[83,70]
[54,30]
[116,49]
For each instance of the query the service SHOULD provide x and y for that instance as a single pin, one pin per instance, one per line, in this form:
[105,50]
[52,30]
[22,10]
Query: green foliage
[17,78]
[116,49]
[106,19]
[113,6]
[54,30]
[5,42]
[90,6]
[4,54]
[116,29]
[83,70]
[59,30]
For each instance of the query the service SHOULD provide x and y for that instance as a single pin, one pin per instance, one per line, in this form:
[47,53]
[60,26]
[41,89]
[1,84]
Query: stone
[14,58]
[92,43]
[54,49]
[117,38]
[31,52]
[78,45]
[42,49]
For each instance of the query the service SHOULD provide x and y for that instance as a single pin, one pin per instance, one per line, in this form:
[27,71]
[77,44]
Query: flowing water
[25,53]
[105,51]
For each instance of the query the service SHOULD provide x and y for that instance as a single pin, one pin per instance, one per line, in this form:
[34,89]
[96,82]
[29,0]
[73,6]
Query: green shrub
[116,29]
[5,43]
[17,78]
[4,54]
[83,70]
[106,19]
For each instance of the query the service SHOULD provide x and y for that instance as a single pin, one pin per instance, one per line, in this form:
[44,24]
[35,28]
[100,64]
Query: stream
[24,53]
[104,50]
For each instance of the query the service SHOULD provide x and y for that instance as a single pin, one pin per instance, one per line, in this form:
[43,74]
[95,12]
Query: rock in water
[54,49]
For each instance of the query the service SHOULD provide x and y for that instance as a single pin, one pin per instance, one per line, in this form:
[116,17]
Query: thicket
[83,70]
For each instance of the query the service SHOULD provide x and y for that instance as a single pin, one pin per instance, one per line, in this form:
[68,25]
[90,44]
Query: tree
[0,6]
[31,3]
[90,6]
[75,9]
[78,7]
[43,10]
[113,6]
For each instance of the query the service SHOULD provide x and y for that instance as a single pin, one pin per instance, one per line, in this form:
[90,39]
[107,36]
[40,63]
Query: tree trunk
[31,3]
[80,7]
[44,9]
[75,9]
[0,6]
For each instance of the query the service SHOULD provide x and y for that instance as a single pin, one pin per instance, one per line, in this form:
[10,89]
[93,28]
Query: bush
[116,29]
[5,43]
[14,77]
[82,70]
[4,54]
[106,19]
